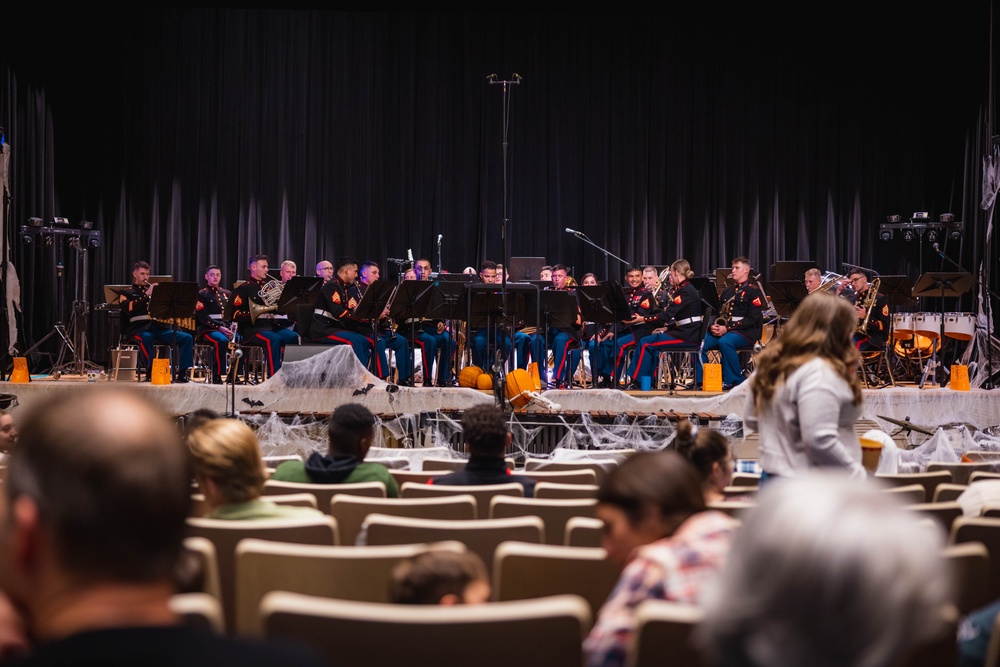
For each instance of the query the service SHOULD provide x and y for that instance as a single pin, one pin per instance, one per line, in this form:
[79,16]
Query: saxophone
[868,303]
[725,312]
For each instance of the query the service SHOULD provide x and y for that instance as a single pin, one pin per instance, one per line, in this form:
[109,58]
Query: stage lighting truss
[78,239]
[919,226]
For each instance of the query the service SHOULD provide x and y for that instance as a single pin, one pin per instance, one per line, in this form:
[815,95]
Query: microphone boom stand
[607,253]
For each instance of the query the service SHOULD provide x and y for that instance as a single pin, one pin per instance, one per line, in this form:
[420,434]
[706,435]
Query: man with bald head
[92,519]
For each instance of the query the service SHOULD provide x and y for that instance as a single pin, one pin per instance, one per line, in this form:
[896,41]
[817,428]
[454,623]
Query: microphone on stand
[440,236]
[409,255]
[575,233]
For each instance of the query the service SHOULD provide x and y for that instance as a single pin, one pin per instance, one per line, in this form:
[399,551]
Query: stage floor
[930,407]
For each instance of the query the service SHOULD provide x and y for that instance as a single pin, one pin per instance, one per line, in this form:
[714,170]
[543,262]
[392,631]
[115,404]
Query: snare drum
[927,324]
[902,326]
[960,326]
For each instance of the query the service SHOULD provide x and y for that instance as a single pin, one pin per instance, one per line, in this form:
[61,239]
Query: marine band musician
[138,328]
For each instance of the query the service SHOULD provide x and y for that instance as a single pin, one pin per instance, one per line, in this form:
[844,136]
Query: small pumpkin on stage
[519,388]
[469,376]
[484,381]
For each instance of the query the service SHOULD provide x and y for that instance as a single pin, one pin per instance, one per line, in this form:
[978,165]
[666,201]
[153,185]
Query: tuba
[270,293]
[868,303]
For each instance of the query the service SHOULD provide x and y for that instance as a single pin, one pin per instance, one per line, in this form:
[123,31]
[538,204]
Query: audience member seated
[231,473]
[827,571]
[8,436]
[487,438]
[442,578]
[656,526]
[708,452]
[351,433]
[93,516]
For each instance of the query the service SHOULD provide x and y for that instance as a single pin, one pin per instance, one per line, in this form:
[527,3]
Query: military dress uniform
[682,315]
[873,338]
[263,333]
[333,322]
[746,323]
[141,330]
[208,313]
[641,301]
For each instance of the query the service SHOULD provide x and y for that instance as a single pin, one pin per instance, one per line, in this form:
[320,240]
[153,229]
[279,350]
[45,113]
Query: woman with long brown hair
[806,395]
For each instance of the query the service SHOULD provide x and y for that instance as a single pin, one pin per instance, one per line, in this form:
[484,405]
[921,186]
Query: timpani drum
[902,326]
[960,326]
[927,324]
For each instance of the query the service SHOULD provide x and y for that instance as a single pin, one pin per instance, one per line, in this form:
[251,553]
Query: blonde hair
[822,326]
[683,267]
[227,452]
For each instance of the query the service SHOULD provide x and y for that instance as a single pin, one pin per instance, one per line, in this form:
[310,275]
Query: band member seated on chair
[591,336]
[212,329]
[814,280]
[266,333]
[333,320]
[558,339]
[681,317]
[433,338]
[870,337]
[424,269]
[610,344]
[387,337]
[324,270]
[643,305]
[738,325]
[139,329]
[490,274]
[288,270]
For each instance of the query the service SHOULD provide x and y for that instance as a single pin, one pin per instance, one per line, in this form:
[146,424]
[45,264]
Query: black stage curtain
[200,136]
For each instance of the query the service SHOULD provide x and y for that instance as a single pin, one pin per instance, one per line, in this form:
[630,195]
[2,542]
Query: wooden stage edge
[930,406]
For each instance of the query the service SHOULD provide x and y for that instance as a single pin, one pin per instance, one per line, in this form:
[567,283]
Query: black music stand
[622,312]
[940,284]
[897,290]
[413,302]
[557,309]
[173,301]
[485,308]
[709,295]
[595,306]
[786,295]
[790,270]
[525,268]
[723,279]
[299,290]
[373,303]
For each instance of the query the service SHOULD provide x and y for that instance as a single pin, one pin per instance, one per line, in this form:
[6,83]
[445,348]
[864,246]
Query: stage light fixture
[892,218]
[86,224]
[908,235]
[932,235]
[947,217]
[60,222]
[35,222]
[955,232]
[885,234]
[921,215]
[94,241]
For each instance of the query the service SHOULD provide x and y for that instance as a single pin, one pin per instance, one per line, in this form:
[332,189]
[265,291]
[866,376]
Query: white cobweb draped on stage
[945,446]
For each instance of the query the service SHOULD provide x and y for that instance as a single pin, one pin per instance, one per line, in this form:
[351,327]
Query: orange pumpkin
[518,386]
[469,376]
[485,381]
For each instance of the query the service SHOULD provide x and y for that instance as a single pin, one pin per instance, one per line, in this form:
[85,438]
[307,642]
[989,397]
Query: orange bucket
[161,372]
[20,372]
[960,377]
[712,377]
